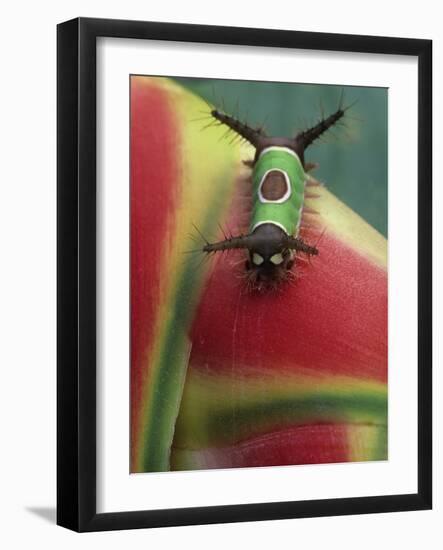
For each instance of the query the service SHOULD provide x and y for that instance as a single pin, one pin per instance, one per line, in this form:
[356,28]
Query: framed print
[244,274]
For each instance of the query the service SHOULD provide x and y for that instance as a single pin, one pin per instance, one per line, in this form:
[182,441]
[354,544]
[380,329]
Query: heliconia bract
[221,376]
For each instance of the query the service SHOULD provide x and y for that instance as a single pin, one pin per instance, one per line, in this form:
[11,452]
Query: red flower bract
[330,320]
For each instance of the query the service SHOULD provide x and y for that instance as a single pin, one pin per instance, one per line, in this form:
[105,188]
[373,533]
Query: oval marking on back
[274,186]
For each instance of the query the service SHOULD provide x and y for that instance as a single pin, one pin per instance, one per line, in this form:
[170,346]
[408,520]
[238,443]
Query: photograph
[258,273]
[220,261]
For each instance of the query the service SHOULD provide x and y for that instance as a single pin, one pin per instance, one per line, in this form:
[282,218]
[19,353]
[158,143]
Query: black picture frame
[76,266]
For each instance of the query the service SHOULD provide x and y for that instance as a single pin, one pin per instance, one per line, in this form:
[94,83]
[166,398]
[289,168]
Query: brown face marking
[274,186]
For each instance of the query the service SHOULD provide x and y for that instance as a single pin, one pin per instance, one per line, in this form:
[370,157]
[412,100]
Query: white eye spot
[257,259]
[277,259]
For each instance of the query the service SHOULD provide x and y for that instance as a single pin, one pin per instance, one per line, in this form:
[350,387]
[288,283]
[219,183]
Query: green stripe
[286,214]
[171,369]
[231,424]
[381,447]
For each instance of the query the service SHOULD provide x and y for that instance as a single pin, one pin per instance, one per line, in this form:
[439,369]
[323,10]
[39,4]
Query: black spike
[200,233]
[295,243]
[231,243]
[254,136]
[307,137]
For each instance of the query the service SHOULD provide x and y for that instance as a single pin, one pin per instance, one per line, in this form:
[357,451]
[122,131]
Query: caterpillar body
[278,179]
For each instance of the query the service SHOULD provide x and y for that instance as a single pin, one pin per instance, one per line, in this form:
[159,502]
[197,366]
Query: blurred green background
[353,160]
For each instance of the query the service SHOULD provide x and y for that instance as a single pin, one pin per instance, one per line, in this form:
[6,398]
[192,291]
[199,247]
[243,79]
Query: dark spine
[309,136]
[228,244]
[300,246]
[250,134]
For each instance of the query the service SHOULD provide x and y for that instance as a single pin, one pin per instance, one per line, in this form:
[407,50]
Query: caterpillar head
[269,257]
[270,253]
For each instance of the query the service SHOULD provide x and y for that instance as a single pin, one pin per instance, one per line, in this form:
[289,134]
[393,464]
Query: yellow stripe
[364,442]
[202,159]
[349,226]
[213,389]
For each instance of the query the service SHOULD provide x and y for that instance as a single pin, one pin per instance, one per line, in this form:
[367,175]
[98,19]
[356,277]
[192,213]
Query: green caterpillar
[278,179]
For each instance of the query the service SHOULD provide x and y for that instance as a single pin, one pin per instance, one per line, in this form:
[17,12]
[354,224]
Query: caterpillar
[279,176]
